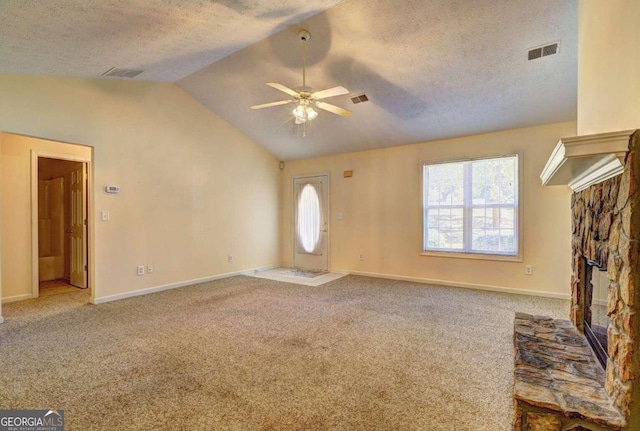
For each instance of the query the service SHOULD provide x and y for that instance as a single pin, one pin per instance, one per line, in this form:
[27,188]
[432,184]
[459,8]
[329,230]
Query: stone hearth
[558,383]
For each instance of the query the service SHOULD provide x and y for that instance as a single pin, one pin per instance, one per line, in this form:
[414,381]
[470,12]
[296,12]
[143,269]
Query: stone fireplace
[559,384]
[606,233]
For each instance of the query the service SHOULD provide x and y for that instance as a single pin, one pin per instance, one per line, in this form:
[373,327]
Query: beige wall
[381,206]
[608,66]
[194,189]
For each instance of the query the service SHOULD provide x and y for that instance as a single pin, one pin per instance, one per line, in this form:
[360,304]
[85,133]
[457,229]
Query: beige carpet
[253,354]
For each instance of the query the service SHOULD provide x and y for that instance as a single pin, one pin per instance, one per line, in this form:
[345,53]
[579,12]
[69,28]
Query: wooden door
[79,226]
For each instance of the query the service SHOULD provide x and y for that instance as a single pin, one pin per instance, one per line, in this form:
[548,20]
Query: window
[471,206]
[308,223]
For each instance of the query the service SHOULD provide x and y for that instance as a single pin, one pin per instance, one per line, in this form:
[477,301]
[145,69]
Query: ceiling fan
[304,97]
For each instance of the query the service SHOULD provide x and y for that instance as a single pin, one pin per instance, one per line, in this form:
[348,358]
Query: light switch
[339,216]
[105,215]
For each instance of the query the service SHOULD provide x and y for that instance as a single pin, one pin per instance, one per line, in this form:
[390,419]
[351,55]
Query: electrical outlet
[149,269]
[230,258]
[528,269]
[339,216]
[361,257]
[141,270]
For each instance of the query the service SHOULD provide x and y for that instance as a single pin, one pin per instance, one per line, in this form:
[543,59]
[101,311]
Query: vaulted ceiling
[431,69]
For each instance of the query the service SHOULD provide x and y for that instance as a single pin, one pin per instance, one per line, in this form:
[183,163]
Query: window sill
[475,256]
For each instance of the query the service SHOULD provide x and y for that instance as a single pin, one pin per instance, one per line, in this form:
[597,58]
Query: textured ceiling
[432,69]
[168,38]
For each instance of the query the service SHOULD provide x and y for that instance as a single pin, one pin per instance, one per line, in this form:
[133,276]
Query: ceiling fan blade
[334,109]
[267,105]
[284,89]
[331,92]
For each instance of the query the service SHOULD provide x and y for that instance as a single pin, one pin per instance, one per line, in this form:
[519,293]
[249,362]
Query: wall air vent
[543,51]
[119,72]
[359,99]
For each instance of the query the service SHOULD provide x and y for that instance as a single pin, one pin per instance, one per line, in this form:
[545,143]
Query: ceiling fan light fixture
[300,113]
[311,113]
[304,113]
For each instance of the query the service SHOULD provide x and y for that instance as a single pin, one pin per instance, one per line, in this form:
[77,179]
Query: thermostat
[112,190]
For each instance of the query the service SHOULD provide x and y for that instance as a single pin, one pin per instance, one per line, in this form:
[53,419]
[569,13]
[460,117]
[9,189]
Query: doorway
[311,222]
[19,269]
[61,224]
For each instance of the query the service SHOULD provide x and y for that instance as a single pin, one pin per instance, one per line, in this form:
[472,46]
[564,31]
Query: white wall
[608,66]
[381,206]
[194,189]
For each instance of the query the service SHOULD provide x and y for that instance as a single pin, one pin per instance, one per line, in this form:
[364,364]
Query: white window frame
[465,254]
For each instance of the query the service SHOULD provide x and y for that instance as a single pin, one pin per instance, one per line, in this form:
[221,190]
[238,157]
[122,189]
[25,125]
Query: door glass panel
[308,223]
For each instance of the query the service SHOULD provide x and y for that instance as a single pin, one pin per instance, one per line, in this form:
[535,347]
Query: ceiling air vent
[543,51]
[359,99]
[550,49]
[535,53]
[119,72]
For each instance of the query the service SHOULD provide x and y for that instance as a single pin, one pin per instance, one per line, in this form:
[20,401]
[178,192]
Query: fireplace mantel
[582,161]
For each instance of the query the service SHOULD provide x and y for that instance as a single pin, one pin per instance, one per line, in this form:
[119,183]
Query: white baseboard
[146,291]
[464,285]
[161,288]
[17,298]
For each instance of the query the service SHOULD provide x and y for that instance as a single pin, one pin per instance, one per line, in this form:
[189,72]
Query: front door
[79,226]
[311,222]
